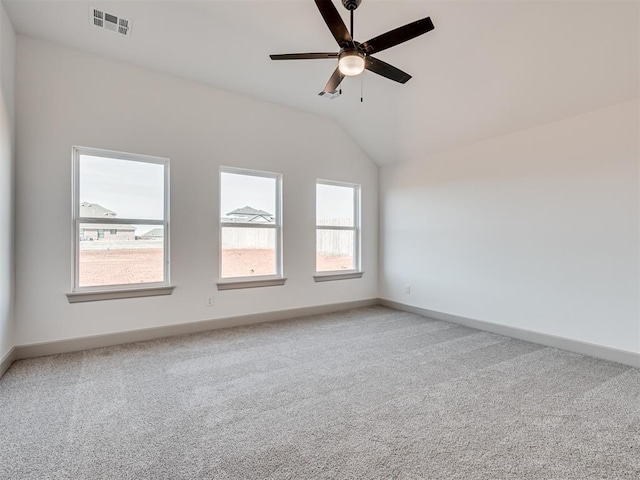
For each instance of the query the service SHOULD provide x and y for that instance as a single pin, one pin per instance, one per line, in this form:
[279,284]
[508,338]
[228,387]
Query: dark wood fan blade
[334,81]
[303,56]
[397,36]
[334,21]
[389,71]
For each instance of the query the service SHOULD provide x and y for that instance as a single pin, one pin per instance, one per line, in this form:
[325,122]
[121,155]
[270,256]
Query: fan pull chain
[362,88]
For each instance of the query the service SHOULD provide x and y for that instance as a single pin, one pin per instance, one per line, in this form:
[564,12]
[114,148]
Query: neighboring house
[154,234]
[107,231]
[248,238]
[95,210]
[249,215]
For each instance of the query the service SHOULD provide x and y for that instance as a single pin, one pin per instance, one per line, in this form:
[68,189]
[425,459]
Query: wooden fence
[328,242]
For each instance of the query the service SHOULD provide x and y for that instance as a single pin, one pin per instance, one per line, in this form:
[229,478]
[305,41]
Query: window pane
[248,252]
[112,187]
[247,198]
[334,250]
[132,255]
[334,205]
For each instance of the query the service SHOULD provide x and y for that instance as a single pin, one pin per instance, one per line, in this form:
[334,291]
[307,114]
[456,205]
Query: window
[337,230]
[127,195]
[250,228]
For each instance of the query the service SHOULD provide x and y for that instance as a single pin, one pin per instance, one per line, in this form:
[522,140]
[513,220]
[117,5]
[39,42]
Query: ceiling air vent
[109,21]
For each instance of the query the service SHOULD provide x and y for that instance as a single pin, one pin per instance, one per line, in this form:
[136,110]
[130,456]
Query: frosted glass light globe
[351,63]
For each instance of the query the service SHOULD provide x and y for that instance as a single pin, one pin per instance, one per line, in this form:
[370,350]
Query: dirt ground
[129,266]
[120,266]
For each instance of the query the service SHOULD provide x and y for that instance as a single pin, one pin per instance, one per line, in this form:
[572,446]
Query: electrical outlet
[407,289]
[210,301]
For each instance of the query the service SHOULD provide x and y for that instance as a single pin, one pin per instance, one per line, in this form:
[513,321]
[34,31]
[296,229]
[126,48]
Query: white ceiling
[487,69]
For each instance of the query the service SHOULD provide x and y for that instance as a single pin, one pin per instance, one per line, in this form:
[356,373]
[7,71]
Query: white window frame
[355,272]
[230,283]
[106,292]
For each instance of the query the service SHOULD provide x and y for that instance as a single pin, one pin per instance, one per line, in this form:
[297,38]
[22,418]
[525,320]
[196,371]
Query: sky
[136,190]
[334,202]
[131,189]
[239,191]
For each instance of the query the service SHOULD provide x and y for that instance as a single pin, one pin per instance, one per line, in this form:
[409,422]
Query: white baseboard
[625,357]
[119,338]
[7,360]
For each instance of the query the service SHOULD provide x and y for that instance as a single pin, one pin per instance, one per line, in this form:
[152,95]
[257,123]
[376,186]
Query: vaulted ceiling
[487,69]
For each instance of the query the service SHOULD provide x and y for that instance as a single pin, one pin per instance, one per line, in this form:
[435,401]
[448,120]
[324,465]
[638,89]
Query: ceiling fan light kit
[351,62]
[355,57]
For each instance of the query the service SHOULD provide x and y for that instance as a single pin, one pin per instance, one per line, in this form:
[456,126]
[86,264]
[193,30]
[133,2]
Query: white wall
[536,230]
[67,98]
[7,73]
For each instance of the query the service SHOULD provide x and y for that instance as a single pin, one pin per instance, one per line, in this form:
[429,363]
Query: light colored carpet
[364,394]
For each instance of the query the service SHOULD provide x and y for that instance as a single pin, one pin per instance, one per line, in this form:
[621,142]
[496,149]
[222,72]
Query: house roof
[489,68]
[250,211]
[95,210]
[154,232]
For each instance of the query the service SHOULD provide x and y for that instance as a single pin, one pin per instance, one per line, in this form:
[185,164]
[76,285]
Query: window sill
[77,297]
[328,277]
[237,284]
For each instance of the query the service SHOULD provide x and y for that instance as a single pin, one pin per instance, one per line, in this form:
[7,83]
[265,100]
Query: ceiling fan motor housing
[351,4]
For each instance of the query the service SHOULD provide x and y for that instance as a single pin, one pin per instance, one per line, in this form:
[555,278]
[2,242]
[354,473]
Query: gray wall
[70,98]
[536,230]
[7,74]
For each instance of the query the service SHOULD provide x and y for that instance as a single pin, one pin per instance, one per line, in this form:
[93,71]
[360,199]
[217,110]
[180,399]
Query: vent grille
[98,18]
[108,21]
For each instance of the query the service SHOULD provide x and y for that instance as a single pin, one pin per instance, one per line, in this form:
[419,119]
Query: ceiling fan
[354,57]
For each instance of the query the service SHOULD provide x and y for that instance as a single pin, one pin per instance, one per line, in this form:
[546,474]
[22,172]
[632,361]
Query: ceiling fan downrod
[351,5]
